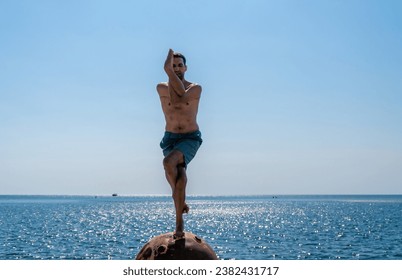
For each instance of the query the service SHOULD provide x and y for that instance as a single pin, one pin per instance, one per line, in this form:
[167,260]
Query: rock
[165,247]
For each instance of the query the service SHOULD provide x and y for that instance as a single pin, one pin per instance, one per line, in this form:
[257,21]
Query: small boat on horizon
[115,194]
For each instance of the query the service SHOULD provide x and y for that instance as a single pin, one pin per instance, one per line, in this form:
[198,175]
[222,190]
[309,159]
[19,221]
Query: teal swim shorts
[187,143]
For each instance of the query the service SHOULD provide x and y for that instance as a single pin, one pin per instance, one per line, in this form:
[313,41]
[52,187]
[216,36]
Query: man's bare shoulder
[195,85]
[162,89]
[163,85]
[194,89]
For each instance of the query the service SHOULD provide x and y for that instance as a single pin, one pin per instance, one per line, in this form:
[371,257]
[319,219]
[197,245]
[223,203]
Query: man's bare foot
[178,234]
[185,208]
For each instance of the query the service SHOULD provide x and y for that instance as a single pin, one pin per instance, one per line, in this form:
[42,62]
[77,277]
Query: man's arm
[175,83]
[162,89]
[194,91]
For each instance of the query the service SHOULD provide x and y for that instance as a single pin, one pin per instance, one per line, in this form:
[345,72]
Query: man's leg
[177,178]
[179,197]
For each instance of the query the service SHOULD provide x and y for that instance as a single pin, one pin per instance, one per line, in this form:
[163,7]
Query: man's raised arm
[175,83]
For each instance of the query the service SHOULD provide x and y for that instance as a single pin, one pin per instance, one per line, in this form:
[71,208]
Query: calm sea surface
[255,227]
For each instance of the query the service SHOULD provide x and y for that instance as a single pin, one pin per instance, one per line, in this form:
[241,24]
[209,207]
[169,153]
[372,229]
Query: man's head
[179,65]
[176,54]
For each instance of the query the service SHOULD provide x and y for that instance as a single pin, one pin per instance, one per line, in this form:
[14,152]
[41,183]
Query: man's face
[179,67]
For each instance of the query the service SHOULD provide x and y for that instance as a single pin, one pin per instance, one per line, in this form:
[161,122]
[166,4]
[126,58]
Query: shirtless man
[179,100]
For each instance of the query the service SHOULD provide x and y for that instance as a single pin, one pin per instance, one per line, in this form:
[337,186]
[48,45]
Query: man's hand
[175,85]
[169,62]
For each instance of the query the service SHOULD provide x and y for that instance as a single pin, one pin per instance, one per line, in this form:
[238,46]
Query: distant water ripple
[290,227]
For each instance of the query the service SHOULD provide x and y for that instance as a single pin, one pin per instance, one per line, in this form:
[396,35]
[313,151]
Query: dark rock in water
[165,247]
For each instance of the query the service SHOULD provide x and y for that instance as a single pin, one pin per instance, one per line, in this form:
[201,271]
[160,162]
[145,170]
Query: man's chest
[181,105]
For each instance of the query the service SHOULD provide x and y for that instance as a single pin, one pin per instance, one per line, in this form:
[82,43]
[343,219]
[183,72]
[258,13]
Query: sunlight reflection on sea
[296,227]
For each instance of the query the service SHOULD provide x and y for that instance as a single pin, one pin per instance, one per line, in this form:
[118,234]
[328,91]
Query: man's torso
[180,111]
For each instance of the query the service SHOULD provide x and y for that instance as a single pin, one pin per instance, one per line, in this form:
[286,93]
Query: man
[179,100]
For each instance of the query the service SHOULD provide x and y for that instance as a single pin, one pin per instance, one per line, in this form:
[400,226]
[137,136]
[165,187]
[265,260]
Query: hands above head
[175,84]
[169,61]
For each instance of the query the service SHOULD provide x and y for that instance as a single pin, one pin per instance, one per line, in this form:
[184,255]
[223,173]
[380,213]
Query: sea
[306,227]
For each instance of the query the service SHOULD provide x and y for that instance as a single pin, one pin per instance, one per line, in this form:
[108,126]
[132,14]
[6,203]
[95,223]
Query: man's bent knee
[173,160]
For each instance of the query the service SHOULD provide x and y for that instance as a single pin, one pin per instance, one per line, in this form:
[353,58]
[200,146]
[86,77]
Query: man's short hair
[180,55]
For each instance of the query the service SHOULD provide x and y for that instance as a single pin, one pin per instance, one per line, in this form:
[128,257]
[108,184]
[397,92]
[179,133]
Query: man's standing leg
[176,176]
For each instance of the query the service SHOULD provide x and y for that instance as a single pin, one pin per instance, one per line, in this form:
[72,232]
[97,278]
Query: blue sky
[299,97]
